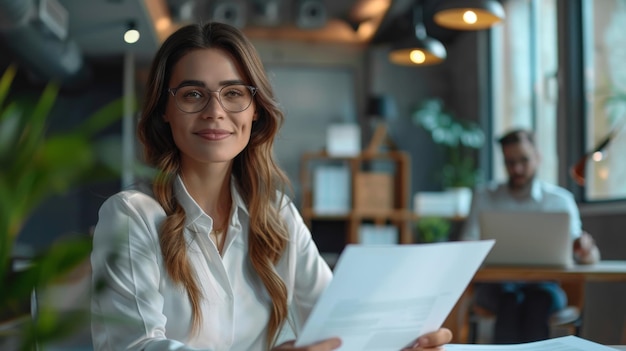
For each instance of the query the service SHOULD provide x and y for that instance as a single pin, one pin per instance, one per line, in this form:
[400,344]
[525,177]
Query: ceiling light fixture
[418,49]
[131,35]
[469,14]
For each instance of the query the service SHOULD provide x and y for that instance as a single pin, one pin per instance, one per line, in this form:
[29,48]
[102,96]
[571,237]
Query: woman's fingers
[325,345]
[431,341]
[329,344]
[434,339]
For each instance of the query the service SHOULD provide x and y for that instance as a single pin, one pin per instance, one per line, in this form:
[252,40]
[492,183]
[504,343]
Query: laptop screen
[527,238]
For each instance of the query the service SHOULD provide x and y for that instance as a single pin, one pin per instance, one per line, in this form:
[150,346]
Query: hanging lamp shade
[416,51]
[469,14]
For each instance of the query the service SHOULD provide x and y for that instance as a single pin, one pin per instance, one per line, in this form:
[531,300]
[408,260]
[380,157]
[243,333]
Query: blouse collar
[193,211]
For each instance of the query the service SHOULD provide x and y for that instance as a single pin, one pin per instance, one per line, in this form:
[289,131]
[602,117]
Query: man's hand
[585,249]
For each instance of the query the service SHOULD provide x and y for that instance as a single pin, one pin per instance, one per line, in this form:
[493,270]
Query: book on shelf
[331,190]
[371,234]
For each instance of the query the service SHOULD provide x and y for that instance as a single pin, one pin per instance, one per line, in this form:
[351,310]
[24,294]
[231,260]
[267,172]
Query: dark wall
[76,211]
[609,232]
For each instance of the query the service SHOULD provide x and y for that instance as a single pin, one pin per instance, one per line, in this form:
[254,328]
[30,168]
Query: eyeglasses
[232,98]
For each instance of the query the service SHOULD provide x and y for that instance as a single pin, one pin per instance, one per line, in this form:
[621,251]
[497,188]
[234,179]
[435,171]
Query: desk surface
[601,271]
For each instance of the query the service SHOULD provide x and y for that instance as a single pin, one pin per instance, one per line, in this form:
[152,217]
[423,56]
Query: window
[525,62]
[604,54]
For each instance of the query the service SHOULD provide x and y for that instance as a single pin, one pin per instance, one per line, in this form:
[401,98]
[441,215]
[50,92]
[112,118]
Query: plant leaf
[5,82]
[10,125]
[102,118]
[34,165]
[50,265]
[37,121]
[62,160]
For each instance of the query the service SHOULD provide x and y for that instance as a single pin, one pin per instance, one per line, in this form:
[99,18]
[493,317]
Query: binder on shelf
[370,234]
[331,186]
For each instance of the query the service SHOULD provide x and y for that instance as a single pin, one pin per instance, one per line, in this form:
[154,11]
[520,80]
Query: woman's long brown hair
[258,177]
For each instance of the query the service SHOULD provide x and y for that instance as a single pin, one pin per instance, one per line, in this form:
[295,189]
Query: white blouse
[136,306]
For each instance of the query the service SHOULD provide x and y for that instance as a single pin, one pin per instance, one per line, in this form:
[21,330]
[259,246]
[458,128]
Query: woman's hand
[325,345]
[432,341]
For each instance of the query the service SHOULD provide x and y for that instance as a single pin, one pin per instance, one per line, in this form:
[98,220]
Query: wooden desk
[573,280]
[602,271]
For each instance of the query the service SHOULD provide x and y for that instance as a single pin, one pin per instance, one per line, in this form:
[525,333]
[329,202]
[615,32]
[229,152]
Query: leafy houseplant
[35,166]
[460,140]
[432,229]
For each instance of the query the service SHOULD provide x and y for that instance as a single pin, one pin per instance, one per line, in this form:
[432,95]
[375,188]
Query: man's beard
[515,186]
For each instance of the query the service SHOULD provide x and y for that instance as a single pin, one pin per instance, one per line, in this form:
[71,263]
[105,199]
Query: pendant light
[418,49]
[469,14]
[131,35]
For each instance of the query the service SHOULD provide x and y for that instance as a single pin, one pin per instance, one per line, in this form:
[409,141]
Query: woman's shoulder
[293,218]
[128,216]
[285,204]
[136,200]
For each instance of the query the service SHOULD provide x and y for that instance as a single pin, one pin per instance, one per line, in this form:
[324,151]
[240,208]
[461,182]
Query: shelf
[403,214]
[377,191]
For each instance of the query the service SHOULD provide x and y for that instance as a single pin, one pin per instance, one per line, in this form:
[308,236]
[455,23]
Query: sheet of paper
[564,343]
[384,297]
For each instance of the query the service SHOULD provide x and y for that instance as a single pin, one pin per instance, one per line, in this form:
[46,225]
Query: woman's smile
[213,134]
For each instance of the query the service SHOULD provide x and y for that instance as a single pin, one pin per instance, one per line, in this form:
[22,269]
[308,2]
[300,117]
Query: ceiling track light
[469,14]
[418,49]
[131,35]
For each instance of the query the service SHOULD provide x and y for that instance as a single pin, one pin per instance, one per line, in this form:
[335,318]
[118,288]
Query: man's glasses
[232,98]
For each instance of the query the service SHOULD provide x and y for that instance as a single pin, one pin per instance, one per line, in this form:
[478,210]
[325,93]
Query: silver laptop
[528,238]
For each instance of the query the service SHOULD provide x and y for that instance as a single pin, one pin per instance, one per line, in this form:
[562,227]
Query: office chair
[567,321]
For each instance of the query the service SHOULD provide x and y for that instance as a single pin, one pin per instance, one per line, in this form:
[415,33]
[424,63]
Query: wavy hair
[260,188]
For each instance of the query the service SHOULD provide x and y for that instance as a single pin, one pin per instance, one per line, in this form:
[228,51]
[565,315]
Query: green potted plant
[433,229]
[36,165]
[460,140]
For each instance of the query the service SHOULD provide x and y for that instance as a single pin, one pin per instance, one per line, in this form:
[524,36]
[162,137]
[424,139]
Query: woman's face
[212,134]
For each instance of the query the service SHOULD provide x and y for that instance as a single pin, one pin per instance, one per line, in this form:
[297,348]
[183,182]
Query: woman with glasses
[213,256]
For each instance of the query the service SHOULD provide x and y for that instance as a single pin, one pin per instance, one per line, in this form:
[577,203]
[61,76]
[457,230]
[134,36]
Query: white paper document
[564,343]
[384,297]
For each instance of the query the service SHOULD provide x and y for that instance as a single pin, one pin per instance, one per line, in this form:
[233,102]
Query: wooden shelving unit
[364,206]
